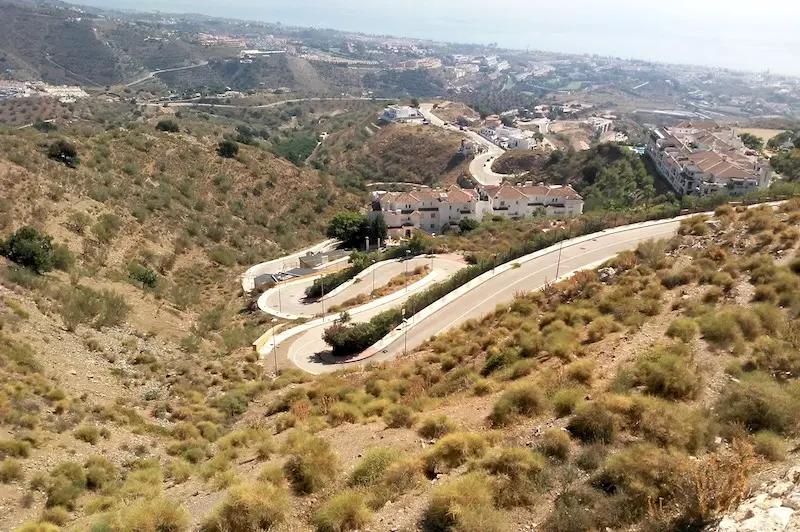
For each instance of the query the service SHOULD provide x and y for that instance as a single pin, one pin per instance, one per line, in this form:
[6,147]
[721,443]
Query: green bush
[465,504]
[56,515]
[644,473]
[594,422]
[580,371]
[566,399]
[454,450]
[100,472]
[15,448]
[770,445]
[10,470]
[250,506]
[227,149]
[143,275]
[684,329]
[168,125]
[66,483]
[601,327]
[87,433]
[555,443]
[38,527]
[311,464]
[523,399]
[435,427]
[372,467]
[347,510]
[399,416]
[98,309]
[668,372]
[516,475]
[29,248]
[759,404]
[342,412]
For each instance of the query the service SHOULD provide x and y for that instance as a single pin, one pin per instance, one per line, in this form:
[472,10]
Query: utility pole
[373,274]
[280,305]
[405,332]
[322,299]
[275,347]
[408,256]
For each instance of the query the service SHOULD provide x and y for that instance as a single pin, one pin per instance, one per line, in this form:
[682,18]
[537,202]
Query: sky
[736,34]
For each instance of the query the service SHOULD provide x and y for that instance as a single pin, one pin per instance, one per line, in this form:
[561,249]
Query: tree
[30,248]
[378,229]
[468,224]
[228,149]
[346,226]
[167,124]
[64,152]
[752,142]
[507,121]
[415,102]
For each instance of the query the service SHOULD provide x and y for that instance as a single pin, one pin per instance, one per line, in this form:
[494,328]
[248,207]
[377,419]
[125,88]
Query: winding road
[481,165]
[154,73]
[302,346]
[291,300]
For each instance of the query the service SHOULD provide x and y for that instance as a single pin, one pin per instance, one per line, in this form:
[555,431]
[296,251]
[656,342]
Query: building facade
[401,113]
[436,210]
[703,158]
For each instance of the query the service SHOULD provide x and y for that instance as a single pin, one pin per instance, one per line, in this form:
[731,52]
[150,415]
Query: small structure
[404,113]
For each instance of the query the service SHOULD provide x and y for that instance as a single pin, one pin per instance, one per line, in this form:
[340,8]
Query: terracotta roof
[457,195]
[509,193]
[564,192]
[535,191]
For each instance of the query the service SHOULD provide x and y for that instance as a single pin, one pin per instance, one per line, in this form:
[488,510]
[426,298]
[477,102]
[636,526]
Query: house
[436,210]
[509,137]
[702,158]
[470,147]
[404,113]
[600,125]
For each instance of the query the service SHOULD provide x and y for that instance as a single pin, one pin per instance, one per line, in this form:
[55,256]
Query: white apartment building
[433,210]
[509,137]
[401,113]
[703,158]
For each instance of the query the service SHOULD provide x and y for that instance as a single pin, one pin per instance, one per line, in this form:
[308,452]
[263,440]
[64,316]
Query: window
[433,215]
[502,203]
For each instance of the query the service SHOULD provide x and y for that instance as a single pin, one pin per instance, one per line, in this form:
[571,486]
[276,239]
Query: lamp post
[275,347]
[408,256]
[366,248]
[280,305]
[434,236]
[494,262]
[373,275]
[558,266]
[405,332]
[322,298]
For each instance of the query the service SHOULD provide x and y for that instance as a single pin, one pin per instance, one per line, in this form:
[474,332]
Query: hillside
[608,176]
[393,153]
[571,410]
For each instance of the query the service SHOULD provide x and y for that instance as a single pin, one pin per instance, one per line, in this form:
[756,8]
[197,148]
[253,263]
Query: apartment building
[703,158]
[436,210]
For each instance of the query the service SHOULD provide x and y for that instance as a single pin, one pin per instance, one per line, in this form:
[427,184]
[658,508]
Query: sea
[720,33]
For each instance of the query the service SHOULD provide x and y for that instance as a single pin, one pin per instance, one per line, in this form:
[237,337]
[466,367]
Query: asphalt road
[283,263]
[302,350]
[481,165]
[291,299]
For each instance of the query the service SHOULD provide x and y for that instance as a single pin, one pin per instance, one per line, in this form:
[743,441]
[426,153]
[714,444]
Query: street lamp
[405,333]
[275,346]
[558,266]
[322,298]
[373,275]
[494,262]
[366,249]
[434,236]
[408,256]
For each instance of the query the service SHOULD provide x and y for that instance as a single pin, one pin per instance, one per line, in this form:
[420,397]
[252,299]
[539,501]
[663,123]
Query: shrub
[454,450]
[555,444]
[399,478]
[759,404]
[343,413]
[435,427]
[671,424]
[566,399]
[143,275]
[464,504]
[601,327]
[311,464]
[228,149]
[29,248]
[87,433]
[63,151]
[770,445]
[66,483]
[594,422]
[517,474]
[15,448]
[38,527]
[523,399]
[251,506]
[371,468]
[157,515]
[346,511]
[580,371]
[684,329]
[644,473]
[592,457]
[98,309]
[398,416]
[99,472]
[10,470]
[667,372]
[56,515]
[168,124]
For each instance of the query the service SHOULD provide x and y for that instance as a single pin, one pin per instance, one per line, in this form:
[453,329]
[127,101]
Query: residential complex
[436,210]
[703,157]
[509,137]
